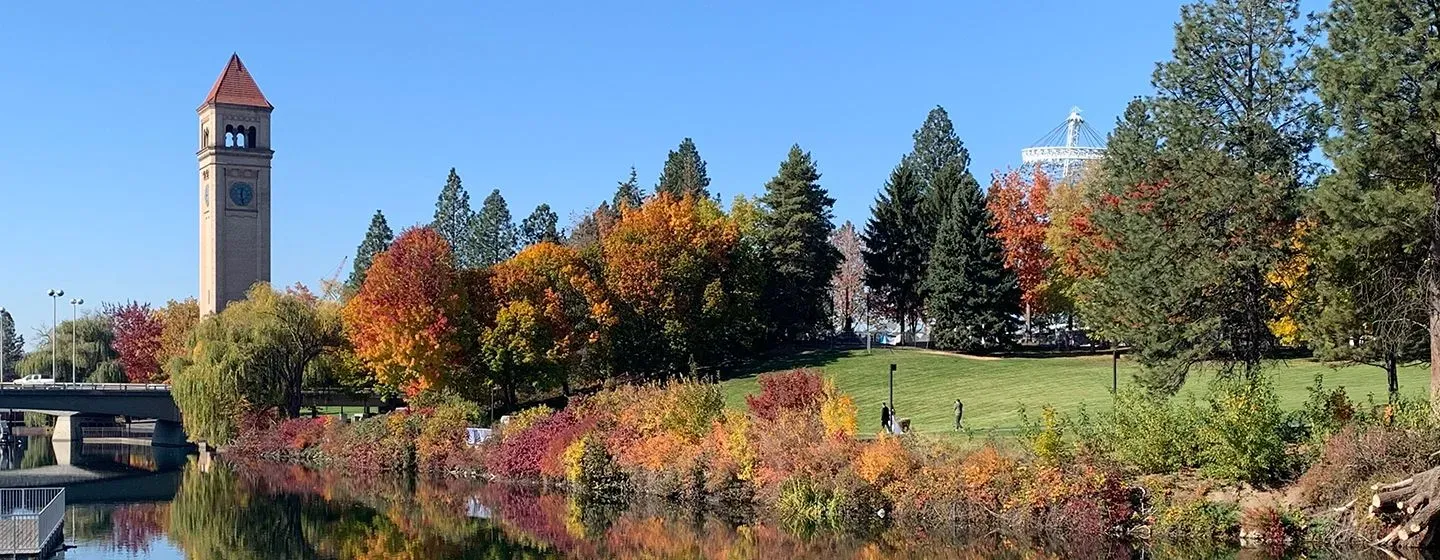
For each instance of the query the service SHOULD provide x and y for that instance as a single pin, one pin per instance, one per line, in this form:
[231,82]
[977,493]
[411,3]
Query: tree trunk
[1391,375]
[1410,508]
[1432,290]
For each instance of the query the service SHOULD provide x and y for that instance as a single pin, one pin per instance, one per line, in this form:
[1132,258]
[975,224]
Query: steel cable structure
[1063,151]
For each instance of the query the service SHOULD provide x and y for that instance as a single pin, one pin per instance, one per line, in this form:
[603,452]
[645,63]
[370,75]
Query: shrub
[1273,529]
[1326,412]
[1242,433]
[1046,436]
[528,417]
[592,472]
[1197,520]
[1360,455]
[1155,435]
[838,411]
[798,390]
[884,461]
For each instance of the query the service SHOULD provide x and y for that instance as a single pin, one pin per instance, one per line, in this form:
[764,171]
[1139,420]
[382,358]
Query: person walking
[885,416]
[959,413]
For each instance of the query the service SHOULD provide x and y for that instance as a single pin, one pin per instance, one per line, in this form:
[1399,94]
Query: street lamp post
[55,296]
[74,321]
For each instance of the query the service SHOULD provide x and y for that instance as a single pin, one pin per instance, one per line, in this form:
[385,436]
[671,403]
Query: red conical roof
[236,87]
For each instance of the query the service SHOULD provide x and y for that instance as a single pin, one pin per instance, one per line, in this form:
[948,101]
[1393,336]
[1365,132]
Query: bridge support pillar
[169,434]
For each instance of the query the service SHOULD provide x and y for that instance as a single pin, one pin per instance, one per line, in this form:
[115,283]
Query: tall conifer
[377,239]
[794,236]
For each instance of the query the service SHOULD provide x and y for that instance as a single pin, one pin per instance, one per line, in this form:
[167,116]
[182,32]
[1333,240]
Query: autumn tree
[1018,205]
[551,315]
[177,320]
[794,236]
[455,222]
[684,173]
[138,343]
[539,227]
[402,322]
[847,287]
[896,250]
[667,265]
[377,239]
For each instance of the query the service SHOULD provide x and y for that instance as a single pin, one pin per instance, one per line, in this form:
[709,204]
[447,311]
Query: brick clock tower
[234,188]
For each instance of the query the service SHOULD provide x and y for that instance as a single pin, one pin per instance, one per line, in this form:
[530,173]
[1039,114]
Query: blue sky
[549,102]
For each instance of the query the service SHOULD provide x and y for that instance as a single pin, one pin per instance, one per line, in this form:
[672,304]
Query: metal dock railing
[31,520]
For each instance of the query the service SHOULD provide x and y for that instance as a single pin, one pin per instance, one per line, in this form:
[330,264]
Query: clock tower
[234,188]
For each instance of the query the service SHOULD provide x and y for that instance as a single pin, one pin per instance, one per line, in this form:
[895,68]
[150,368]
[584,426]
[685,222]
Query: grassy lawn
[927,384]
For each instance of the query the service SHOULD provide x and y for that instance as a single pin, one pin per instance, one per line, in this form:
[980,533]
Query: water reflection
[215,510]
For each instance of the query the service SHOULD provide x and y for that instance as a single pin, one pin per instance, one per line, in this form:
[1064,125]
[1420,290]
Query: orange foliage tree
[552,310]
[403,320]
[667,267]
[1021,217]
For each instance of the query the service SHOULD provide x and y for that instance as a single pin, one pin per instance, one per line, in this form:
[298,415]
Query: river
[130,502]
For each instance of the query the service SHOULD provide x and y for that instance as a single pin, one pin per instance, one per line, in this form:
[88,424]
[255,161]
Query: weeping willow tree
[81,345]
[252,357]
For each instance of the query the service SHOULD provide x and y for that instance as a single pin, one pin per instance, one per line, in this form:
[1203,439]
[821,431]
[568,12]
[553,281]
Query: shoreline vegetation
[1231,467]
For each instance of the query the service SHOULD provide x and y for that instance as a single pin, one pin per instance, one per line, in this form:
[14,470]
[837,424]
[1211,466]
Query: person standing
[959,413]
[885,416]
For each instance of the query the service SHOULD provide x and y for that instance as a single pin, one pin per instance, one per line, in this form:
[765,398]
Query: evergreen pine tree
[1202,185]
[684,173]
[494,231]
[795,238]
[936,146]
[540,226]
[1377,73]
[895,250]
[12,345]
[454,220]
[972,299]
[377,239]
[627,194]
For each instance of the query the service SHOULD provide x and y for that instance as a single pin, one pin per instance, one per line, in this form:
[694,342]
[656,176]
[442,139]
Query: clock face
[241,194]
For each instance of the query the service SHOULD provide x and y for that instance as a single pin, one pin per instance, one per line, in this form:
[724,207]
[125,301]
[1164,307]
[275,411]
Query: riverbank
[1231,468]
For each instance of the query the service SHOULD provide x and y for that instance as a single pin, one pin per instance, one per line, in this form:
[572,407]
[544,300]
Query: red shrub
[798,390]
[536,450]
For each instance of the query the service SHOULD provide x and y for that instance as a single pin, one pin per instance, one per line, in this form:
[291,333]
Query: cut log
[1411,508]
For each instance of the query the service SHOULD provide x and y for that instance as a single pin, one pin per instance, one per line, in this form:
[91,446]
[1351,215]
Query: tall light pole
[74,321]
[55,295]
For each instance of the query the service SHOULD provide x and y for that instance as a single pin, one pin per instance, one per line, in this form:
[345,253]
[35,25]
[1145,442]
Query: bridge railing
[127,431]
[85,387]
[30,519]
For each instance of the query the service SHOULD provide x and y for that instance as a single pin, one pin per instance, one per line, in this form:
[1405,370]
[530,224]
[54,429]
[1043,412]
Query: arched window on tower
[205,137]
[240,140]
[252,140]
[229,136]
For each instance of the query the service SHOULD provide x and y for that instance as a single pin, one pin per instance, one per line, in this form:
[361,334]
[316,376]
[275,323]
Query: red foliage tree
[138,340]
[1019,207]
[403,320]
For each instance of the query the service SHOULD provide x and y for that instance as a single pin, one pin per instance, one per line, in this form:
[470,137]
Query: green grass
[927,384]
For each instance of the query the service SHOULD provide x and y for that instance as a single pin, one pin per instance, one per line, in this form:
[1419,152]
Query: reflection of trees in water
[129,528]
[38,453]
[276,511]
[280,511]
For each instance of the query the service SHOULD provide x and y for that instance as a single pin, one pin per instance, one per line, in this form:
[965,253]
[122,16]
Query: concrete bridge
[72,403]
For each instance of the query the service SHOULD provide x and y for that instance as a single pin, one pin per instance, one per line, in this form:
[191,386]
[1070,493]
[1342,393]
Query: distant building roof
[236,87]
